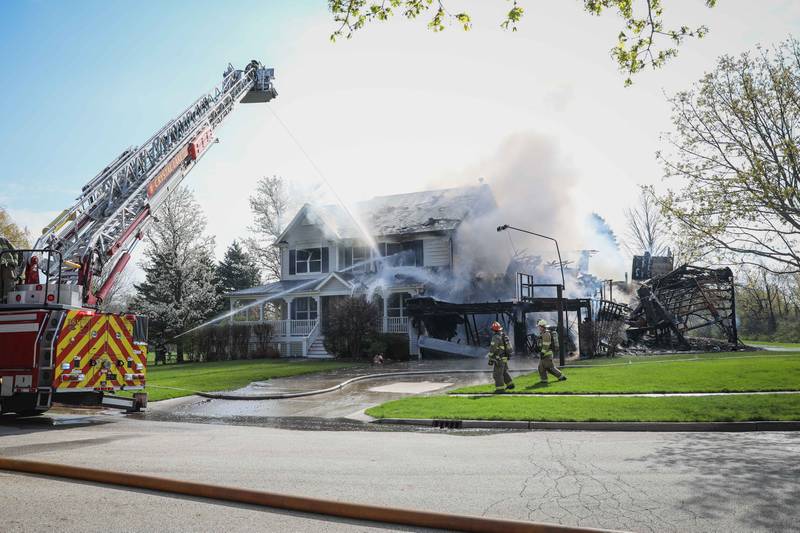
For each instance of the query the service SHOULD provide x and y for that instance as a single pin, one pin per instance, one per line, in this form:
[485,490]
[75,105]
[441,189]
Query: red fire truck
[55,345]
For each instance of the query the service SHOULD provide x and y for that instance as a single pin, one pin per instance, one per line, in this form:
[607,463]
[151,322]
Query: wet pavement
[342,409]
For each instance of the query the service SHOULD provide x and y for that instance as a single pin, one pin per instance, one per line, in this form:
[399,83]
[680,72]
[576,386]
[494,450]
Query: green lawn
[634,359]
[739,373]
[224,375]
[565,408]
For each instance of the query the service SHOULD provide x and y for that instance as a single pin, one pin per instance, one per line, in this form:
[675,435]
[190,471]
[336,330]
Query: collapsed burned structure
[665,310]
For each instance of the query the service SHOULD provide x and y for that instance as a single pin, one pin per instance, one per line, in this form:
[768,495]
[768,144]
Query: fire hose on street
[352,511]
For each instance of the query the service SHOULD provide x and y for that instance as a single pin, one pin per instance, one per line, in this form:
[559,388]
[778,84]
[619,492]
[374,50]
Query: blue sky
[541,113]
[84,80]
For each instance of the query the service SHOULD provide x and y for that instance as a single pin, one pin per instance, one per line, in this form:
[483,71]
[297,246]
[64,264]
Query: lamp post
[558,251]
[559,289]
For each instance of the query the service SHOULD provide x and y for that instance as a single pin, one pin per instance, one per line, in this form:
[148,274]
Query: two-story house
[328,252]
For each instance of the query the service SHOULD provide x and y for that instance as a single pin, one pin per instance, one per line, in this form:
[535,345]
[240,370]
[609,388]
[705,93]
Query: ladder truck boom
[55,345]
[97,233]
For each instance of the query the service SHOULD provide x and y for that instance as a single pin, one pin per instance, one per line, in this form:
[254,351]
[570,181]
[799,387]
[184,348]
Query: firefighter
[547,347]
[499,352]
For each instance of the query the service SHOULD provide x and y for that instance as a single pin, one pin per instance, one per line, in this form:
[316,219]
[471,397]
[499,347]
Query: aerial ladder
[55,345]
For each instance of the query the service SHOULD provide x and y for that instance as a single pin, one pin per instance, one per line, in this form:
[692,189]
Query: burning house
[390,248]
[418,257]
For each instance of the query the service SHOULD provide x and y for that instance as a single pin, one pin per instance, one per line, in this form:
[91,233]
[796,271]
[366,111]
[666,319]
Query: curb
[765,425]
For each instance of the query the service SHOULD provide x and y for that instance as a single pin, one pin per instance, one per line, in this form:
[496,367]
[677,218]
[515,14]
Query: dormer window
[308,260]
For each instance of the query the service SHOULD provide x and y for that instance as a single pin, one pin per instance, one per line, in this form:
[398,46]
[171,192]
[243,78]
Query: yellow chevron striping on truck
[95,351]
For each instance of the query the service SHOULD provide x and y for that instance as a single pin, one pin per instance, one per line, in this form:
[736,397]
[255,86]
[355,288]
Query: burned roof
[416,212]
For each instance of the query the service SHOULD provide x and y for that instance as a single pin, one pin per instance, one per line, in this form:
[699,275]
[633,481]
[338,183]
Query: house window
[304,309]
[407,253]
[358,256]
[309,260]
[248,311]
[396,305]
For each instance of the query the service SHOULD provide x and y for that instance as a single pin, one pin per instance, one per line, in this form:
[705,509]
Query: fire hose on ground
[352,511]
[343,384]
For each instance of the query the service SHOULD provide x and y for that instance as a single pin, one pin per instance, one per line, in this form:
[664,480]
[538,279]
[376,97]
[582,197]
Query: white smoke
[534,187]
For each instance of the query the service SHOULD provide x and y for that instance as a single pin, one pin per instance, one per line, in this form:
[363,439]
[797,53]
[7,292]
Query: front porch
[303,334]
[297,316]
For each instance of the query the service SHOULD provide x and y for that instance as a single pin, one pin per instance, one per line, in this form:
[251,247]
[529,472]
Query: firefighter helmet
[496,326]
[542,323]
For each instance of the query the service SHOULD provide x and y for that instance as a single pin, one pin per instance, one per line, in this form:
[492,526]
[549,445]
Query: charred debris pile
[688,308]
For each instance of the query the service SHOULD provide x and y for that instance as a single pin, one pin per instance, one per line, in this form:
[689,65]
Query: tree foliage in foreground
[735,153]
[17,236]
[640,42]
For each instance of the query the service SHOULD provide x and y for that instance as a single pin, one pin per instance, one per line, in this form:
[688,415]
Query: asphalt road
[633,481]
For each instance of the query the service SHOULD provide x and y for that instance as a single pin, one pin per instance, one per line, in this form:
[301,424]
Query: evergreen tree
[180,289]
[237,270]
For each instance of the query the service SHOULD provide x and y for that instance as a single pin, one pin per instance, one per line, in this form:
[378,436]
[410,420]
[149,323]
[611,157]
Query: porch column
[231,316]
[318,301]
[288,316]
[385,312]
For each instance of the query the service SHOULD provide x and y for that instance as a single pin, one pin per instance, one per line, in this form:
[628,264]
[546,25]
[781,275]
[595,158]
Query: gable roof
[402,214]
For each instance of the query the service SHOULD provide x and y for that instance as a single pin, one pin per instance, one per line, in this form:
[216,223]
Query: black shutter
[348,257]
[418,253]
[292,266]
[325,259]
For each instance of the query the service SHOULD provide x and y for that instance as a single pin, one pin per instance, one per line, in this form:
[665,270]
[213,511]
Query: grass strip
[580,409]
[755,374]
[225,375]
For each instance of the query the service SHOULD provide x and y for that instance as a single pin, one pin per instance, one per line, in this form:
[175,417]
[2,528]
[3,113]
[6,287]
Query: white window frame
[310,311]
[309,263]
[400,307]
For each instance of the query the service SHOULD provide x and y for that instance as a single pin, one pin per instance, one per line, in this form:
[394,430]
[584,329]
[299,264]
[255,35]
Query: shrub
[352,326]
[263,336]
[395,346]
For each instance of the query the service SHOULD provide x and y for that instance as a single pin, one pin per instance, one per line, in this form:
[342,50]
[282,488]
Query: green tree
[735,153]
[17,236]
[180,288]
[640,42]
[237,270]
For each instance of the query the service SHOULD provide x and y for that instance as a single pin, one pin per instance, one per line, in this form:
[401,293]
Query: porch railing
[396,324]
[292,328]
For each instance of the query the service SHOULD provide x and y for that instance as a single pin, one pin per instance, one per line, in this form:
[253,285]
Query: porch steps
[317,350]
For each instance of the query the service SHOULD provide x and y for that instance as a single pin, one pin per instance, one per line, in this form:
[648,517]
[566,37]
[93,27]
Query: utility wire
[323,177]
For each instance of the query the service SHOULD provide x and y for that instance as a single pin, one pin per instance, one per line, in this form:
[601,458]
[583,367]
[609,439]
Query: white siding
[436,252]
[305,235]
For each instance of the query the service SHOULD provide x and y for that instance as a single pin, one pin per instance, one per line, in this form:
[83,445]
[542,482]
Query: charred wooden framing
[441,319]
[686,299]
[670,306]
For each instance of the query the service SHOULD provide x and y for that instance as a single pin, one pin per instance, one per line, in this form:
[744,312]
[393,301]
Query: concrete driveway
[346,403]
